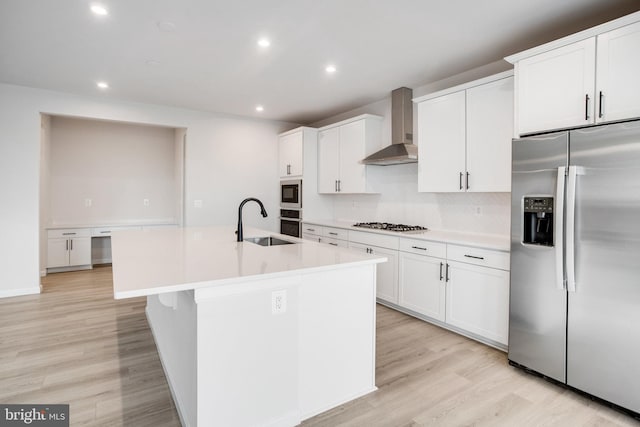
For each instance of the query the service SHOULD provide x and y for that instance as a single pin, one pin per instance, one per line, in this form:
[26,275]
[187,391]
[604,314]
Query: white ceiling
[211,60]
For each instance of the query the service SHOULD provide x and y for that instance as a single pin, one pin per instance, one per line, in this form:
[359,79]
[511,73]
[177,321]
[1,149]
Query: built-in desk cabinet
[68,248]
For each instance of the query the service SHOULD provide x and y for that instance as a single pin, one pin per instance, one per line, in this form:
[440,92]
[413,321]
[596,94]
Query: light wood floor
[75,344]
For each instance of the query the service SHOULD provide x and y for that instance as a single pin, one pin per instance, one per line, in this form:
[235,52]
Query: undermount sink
[268,241]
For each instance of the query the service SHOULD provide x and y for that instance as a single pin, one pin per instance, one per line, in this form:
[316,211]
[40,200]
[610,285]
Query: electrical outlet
[478,211]
[88,203]
[279,301]
[145,202]
[197,203]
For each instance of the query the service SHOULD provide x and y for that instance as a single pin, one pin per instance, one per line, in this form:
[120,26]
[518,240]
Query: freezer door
[537,308]
[603,345]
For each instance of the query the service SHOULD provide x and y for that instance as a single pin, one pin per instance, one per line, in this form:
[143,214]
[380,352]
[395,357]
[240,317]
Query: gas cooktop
[400,228]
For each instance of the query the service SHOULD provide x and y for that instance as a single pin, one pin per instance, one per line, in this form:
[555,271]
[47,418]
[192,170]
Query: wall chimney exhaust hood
[401,150]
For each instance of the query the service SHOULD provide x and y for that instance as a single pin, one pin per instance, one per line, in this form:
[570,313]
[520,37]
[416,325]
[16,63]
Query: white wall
[399,199]
[227,159]
[116,166]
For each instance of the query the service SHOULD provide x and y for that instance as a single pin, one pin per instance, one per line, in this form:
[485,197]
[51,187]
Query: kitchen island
[252,335]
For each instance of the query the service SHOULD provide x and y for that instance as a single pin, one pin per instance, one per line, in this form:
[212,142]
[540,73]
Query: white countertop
[175,259]
[487,241]
[136,223]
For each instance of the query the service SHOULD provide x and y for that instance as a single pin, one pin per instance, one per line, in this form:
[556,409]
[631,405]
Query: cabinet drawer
[372,239]
[335,233]
[422,247]
[476,256]
[106,231]
[335,242]
[312,229]
[69,233]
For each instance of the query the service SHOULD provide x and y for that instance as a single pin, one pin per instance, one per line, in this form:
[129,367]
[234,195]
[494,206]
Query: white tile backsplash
[399,201]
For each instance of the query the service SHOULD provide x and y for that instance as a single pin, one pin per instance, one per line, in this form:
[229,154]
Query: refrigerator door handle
[571,226]
[559,228]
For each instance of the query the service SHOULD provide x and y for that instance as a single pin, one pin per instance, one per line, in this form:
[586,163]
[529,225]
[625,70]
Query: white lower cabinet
[422,285]
[68,248]
[387,272]
[478,300]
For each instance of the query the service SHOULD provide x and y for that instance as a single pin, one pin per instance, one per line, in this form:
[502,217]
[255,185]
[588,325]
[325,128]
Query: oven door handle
[290,219]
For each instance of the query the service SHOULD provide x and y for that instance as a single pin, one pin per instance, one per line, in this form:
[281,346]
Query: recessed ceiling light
[152,62]
[264,42]
[103,85]
[259,108]
[99,10]
[330,69]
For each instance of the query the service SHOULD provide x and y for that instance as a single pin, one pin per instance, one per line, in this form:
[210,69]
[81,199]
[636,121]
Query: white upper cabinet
[464,137]
[555,89]
[618,71]
[441,143]
[290,153]
[583,79]
[489,133]
[341,148]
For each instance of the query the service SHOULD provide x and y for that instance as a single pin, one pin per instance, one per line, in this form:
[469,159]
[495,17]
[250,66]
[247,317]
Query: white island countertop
[168,260]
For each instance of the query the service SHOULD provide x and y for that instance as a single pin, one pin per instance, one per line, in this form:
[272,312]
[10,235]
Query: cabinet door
[386,273]
[556,88]
[290,155]
[441,144]
[57,253]
[618,86]
[80,251]
[478,300]
[328,145]
[353,174]
[489,133]
[422,285]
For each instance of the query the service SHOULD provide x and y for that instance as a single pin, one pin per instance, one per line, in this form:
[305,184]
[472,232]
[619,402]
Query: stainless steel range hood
[401,150]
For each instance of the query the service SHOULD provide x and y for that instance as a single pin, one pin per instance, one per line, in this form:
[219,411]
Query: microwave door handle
[559,228]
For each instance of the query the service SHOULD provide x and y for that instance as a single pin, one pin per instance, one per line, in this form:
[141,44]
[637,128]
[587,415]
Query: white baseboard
[17,292]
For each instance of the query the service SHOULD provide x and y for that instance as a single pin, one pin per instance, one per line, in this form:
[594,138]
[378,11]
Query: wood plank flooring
[75,344]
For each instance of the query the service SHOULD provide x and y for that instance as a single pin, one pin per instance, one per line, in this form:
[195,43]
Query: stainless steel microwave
[291,194]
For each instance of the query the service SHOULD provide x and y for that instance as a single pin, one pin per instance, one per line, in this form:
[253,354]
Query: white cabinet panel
[352,151]
[80,251]
[328,160]
[618,68]
[387,273]
[441,148]
[290,160]
[57,253]
[489,133]
[478,300]
[422,285]
[556,88]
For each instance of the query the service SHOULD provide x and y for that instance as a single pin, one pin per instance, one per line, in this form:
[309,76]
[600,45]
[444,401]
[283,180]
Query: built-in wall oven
[291,222]
[291,194]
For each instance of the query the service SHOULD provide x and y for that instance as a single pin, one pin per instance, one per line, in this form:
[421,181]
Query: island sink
[268,241]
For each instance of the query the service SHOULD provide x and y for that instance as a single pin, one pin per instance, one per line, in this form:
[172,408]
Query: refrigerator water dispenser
[538,221]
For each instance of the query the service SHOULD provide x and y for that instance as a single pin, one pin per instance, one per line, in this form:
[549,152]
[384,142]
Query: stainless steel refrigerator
[575,260]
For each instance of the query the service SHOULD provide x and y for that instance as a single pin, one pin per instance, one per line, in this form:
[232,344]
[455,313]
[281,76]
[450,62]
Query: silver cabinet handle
[333,234]
[66,246]
[467,180]
[336,185]
[105,232]
[601,108]
[339,186]
[71,248]
[473,256]
[418,247]
[447,274]
[460,180]
[68,234]
[333,244]
[586,107]
[441,271]
[311,229]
